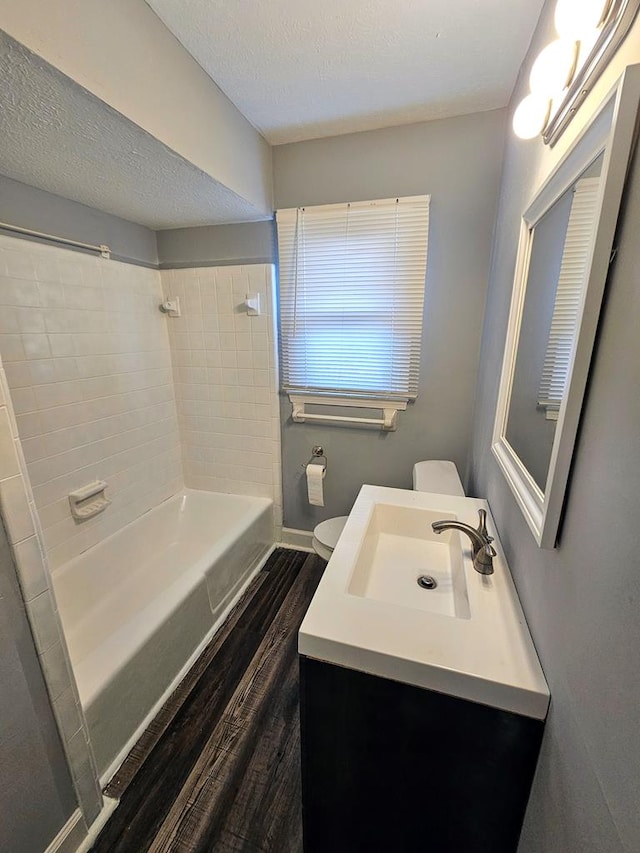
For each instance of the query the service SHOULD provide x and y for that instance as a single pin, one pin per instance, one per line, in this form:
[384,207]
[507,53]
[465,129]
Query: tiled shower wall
[20,519]
[87,392]
[87,359]
[225,375]
[22,531]
[89,364]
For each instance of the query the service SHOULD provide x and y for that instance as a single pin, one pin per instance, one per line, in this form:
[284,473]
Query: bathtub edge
[112,769]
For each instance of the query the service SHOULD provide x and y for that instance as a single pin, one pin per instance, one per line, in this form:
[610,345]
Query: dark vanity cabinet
[392,767]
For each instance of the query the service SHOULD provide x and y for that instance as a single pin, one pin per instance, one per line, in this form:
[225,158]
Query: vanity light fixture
[554,68]
[564,72]
[575,19]
[531,116]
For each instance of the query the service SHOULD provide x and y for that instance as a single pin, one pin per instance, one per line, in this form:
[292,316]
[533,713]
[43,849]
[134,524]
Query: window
[569,294]
[352,282]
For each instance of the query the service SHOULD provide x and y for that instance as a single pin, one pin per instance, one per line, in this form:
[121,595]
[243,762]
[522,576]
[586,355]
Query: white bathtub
[137,606]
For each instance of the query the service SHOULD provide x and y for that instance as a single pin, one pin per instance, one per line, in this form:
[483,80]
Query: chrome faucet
[483,551]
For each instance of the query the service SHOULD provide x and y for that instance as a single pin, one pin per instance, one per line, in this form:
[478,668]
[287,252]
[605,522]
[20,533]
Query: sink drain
[427,582]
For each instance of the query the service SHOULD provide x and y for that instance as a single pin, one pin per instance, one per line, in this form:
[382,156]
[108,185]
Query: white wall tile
[24,400]
[226,411]
[67,714]
[15,509]
[56,669]
[89,368]
[43,620]
[9,465]
[79,754]
[18,264]
[33,578]
[89,795]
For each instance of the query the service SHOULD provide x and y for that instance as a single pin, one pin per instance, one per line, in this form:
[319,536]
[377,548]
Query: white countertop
[488,658]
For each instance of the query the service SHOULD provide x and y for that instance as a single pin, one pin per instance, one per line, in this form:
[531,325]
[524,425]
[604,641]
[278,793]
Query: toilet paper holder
[317,454]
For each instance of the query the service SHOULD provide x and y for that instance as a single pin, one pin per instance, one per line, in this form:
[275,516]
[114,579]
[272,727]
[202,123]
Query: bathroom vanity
[422,710]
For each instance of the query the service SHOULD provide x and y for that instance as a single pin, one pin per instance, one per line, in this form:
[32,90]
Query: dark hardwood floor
[219,767]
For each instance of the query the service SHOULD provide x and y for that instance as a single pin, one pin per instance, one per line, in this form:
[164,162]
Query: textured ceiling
[58,137]
[300,69]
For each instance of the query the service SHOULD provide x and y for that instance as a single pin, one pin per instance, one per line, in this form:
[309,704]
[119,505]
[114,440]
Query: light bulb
[575,19]
[531,116]
[553,69]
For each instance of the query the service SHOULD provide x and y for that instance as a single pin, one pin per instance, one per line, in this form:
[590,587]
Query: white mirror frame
[611,131]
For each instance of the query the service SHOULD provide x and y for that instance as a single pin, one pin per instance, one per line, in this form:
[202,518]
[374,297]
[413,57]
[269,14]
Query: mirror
[560,251]
[566,240]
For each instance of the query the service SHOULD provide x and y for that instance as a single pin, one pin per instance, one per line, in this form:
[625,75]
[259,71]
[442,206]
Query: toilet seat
[326,535]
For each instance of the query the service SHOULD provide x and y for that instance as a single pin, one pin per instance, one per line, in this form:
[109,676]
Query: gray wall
[217,245]
[32,208]
[239,243]
[35,788]
[581,599]
[457,161]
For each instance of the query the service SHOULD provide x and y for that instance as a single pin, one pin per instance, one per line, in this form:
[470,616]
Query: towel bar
[388,422]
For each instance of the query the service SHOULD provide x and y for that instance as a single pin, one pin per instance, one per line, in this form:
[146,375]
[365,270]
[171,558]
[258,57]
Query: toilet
[433,475]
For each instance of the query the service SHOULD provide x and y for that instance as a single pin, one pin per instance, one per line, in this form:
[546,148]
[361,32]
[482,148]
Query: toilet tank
[439,476]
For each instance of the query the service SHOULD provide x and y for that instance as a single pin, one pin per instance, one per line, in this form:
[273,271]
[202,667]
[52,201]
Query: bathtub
[138,606]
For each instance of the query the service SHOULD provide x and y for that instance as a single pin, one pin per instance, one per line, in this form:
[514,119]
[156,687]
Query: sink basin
[466,638]
[398,548]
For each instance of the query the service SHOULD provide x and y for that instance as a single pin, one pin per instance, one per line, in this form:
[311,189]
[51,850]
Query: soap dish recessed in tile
[89,500]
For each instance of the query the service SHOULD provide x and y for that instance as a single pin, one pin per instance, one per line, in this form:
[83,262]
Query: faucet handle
[482,527]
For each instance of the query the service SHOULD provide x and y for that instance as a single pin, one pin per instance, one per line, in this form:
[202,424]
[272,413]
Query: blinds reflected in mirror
[352,279]
[569,296]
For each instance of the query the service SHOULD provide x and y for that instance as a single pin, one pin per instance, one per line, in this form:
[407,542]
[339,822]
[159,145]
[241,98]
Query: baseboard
[74,837]
[71,836]
[298,540]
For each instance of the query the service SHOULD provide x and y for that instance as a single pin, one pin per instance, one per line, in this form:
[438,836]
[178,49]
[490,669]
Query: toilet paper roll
[315,476]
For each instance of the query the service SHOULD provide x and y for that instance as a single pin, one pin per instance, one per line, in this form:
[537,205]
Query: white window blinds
[352,280]
[569,294]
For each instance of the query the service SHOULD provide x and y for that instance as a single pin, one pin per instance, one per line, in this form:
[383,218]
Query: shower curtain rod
[102,249]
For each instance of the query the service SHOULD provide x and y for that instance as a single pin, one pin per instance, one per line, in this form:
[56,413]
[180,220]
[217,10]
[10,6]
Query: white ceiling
[59,137]
[301,69]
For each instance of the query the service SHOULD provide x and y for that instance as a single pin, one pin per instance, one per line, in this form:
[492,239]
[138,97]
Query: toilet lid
[439,476]
[328,532]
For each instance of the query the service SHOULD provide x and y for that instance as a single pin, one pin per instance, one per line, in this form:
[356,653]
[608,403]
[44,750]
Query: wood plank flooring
[219,767]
